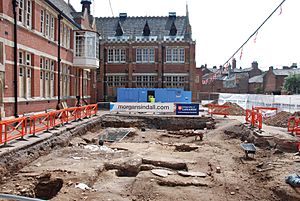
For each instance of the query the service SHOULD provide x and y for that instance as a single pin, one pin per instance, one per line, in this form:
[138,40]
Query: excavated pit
[169,123]
[48,188]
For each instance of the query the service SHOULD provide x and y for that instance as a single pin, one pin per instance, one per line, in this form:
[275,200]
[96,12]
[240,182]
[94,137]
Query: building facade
[48,54]
[273,80]
[146,52]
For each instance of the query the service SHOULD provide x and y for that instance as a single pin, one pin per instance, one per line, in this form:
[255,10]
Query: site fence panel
[39,123]
[16,128]
[13,129]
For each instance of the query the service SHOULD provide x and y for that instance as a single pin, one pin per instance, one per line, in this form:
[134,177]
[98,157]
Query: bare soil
[124,170]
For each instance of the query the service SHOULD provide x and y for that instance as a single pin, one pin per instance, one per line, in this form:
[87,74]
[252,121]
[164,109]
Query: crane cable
[279,6]
[112,12]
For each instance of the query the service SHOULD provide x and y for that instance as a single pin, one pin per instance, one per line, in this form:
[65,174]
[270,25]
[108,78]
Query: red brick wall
[30,39]
[131,67]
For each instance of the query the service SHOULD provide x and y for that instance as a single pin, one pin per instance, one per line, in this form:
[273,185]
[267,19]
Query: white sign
[142,107]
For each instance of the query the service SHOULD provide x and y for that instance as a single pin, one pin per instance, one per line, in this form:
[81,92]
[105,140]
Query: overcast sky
[220,27]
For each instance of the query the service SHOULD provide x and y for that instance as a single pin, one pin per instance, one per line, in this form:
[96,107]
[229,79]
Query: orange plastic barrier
[39,123]
[248,116]
[254,117]
[12,129]
[16,128]
[218,109]
[294,125]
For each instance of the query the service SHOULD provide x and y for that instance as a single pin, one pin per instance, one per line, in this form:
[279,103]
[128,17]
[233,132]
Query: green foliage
[259,90]
[292,83]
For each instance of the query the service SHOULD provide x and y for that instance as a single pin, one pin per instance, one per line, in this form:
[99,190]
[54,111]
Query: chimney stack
[233,63]
[254,64]
[86,4]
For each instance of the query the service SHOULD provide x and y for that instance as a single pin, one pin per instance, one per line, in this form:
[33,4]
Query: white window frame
[25,13]
[175,55]
[116,55]
[25,74]
[145,55]
[42,21]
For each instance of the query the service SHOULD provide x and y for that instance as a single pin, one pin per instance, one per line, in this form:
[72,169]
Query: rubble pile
[234,109]
[279,120]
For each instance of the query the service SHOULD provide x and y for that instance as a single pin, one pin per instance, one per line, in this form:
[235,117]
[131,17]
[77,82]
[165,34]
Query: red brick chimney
[254,65]
[233,63]
[86,4]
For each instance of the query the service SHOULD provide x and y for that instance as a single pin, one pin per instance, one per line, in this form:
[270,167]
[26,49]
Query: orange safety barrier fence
[294,125]
[16,128]
[254,117]
[218,109]
[12,129]
[39,123]
[248,115]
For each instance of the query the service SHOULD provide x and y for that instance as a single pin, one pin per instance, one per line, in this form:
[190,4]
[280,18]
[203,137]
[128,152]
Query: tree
[292,83]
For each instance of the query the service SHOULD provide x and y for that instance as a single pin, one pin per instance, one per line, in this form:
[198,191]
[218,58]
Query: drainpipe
[104,75]
[82,83]
[162,65]
[15,5]
[58,58]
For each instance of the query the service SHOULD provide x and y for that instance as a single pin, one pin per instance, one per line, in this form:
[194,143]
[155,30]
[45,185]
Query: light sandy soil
[124,173]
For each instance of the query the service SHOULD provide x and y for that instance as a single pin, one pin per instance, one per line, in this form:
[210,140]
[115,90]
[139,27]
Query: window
[21,10]
[65,80]
[47,24]
[145,81]
[85,83]
[175,81]
[46,77]
[25,74]
[175,55]
[42,21]
[65,37]
[86,44]
[25,12]
[28,13]
[47,28]
[51,27]
[117,80]
[145,55]
[116,55]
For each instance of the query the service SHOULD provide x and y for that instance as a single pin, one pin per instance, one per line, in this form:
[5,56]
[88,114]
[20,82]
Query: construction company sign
[143,107]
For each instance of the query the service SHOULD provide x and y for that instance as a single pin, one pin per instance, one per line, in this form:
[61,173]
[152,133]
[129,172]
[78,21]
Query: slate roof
[133,26]
[238,70]
[65,8]
[286,72]
[257,79]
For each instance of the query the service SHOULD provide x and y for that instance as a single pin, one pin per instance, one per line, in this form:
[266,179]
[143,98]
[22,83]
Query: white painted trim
[116,74]
[176,74]
[144,74]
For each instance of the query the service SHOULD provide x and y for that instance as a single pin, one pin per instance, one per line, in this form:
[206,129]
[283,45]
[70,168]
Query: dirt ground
[145,165]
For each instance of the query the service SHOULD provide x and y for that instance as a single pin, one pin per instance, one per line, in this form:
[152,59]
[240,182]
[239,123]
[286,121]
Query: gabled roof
[134,26]
[286,72]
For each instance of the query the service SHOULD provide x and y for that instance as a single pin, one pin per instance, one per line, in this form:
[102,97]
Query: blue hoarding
[187,109]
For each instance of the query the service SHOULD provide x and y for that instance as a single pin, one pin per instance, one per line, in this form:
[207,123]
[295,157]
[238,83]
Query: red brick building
[146,52]
[228,80]
[50,55]
[274,79]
